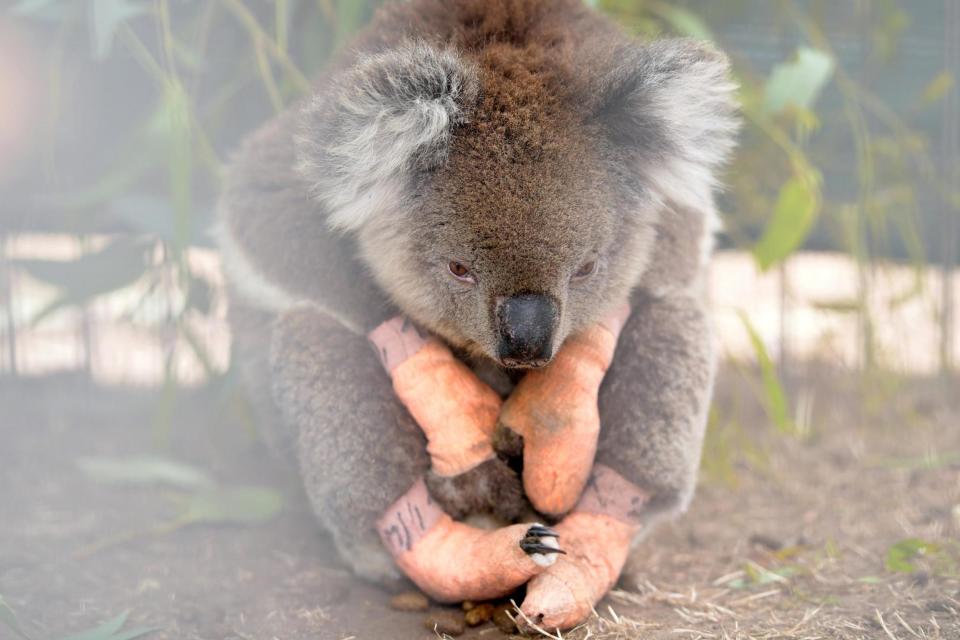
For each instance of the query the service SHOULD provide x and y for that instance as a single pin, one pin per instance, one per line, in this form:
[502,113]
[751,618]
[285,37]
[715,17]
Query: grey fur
[392,113]
[524,150]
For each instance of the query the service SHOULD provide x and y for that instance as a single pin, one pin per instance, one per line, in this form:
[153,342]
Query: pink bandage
[451,561]
[456,410]
[409,519]
[609,493]
[597,536]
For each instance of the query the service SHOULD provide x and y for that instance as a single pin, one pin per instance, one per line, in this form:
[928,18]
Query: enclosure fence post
[11,329]
[950,157]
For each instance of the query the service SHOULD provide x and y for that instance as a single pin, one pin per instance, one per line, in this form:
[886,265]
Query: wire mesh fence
[841,218]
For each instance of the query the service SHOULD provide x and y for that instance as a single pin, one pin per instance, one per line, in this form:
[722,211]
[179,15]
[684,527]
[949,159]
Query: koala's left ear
[672,101]
[378,122]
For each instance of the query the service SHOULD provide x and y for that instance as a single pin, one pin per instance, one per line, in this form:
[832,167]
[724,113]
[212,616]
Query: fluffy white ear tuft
[673,101]
[385,118]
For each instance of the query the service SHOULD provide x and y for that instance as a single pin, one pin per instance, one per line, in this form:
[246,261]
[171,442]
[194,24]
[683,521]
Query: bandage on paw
[456,410]
[597,536]
[451,561]
[555,410]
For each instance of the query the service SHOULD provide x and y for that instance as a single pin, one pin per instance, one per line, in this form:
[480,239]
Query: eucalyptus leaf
[233,505]
[104,631]
[797,207]
[107,632]
[775,399]
[938,88]
[130,634]
[798,82]
[144,470]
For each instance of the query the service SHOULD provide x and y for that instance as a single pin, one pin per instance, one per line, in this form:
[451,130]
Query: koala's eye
[585,270]
[460,271]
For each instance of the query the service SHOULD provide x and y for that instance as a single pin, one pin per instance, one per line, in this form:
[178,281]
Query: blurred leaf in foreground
[793,216]
[144,470]
[774,397]
[111,630]
[798,82]
[232,505]
[937,88]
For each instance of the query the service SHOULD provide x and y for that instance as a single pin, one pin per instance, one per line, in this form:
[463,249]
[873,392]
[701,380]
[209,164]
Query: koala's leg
[654,401]
[653,406]
[357,446]
[362,458]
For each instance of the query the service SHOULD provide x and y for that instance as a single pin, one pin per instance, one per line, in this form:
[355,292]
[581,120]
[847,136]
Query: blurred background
[835,283]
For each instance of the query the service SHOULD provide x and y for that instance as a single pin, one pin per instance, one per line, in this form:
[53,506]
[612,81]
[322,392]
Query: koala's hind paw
[491,487]
[507,442]
[541,545]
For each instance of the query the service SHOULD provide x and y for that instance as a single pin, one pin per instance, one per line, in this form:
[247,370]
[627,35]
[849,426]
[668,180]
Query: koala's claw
[542,531]
[541,545]
[537,547]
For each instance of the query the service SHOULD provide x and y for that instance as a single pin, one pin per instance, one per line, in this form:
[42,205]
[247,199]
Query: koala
[502,173]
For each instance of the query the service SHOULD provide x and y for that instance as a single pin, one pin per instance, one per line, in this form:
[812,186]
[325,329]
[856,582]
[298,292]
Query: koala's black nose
[526,324]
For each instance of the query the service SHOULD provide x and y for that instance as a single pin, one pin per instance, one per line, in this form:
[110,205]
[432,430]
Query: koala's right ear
[389,115]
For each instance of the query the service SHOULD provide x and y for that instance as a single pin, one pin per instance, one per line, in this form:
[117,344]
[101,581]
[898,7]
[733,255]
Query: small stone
[445,622]
[501,618]
[468,604]
[409,601]
[479,614]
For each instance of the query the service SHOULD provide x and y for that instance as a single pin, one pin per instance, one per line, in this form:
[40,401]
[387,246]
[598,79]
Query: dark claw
[541,531]
[531,547]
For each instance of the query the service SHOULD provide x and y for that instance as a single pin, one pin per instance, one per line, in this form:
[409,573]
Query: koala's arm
[655,397]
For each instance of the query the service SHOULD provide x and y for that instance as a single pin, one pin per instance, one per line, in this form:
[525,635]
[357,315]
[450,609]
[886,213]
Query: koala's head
[505,200]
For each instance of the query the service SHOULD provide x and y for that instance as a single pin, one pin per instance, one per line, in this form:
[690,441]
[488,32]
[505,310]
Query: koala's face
[498,208]
[506,254]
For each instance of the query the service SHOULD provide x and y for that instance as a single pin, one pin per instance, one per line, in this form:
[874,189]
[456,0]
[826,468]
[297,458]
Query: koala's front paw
[491,487]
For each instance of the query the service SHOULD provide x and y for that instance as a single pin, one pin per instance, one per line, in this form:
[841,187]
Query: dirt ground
[788,537]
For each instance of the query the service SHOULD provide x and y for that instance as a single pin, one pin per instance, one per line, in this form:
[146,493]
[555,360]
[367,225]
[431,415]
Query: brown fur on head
[527,162]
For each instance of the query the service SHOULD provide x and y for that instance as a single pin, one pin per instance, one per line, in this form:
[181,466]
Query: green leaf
[106,16]
[104,631]
[937,88]
[899,556]
[775,399]
[110,630]
[797,207]
[9,618]
[798,82]
[233,505]
[136,632]
[144,470]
